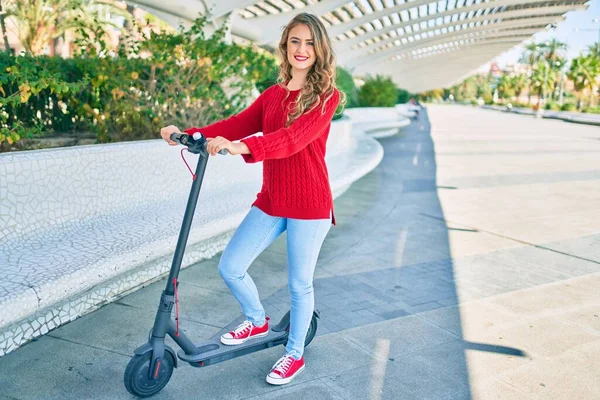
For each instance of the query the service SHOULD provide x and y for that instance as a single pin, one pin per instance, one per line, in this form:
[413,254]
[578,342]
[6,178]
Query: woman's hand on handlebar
[166,133]
[213,146]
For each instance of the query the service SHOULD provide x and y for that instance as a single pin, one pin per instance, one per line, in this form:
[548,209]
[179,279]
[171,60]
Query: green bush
[568,107]
[379,91]
[403,96]
[345,82]
[591,110]
[268,76]
[552,106]
[185,79]
[36,96]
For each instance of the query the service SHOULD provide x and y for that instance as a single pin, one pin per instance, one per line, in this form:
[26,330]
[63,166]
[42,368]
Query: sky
[565,32]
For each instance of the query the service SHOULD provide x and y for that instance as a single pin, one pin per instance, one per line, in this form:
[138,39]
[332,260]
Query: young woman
[295,117]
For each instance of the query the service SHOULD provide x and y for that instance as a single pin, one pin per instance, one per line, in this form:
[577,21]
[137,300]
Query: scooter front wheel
[137,380]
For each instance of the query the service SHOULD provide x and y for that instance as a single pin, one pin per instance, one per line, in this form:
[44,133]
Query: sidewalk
[466,266]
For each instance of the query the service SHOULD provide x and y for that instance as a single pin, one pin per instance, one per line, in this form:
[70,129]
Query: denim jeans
[304,239]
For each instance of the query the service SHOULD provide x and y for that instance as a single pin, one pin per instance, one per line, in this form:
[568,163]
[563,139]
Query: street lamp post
[562,81]
[596,20]
[546,80]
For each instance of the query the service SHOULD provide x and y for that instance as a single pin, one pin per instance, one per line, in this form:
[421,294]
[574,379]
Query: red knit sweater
[295,177]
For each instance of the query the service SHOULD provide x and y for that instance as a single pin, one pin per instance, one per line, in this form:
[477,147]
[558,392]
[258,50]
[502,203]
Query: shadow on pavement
[384,284]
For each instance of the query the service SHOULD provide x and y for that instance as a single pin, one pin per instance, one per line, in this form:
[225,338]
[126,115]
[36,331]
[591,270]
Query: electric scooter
[150,369]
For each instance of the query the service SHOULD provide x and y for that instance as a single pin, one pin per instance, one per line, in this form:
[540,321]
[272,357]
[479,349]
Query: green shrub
[568,107]
[185,79]
[379,91]
[552,106]
[268,76]
[345,83]
[36,96]
[591,110]
[403,96]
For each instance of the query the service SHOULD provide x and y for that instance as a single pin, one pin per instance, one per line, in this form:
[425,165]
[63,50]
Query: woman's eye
[310,43]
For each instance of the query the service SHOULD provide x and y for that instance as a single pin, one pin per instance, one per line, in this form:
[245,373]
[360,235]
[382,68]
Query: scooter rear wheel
[136,375]
[310,335]
[312,331]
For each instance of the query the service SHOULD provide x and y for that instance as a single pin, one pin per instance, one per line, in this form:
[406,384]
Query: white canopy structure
[421,44]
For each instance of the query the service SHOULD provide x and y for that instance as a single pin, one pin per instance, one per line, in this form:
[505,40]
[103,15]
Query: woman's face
[300,48]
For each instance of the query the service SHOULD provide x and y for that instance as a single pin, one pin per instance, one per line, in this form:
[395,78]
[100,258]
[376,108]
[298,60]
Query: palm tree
[552,50]
[519,83]
[3,11]
[530,56]
[593,49]
[584,74]
[505,87]
[542,79]
[39,22]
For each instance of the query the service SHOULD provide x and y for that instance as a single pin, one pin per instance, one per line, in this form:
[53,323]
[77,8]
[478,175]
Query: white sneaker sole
[233,342]
[283,381]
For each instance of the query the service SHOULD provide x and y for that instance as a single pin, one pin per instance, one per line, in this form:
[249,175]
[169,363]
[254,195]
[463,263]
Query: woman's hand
[214,145]
[166,133]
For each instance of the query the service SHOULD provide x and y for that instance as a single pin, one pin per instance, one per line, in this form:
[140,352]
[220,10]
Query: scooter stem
[187,222]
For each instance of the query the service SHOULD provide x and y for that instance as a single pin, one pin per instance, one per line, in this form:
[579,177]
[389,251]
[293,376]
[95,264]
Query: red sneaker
[284,370]
[246,330]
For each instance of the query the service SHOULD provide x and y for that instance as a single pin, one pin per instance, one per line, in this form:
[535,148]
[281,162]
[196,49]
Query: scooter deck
[213,351]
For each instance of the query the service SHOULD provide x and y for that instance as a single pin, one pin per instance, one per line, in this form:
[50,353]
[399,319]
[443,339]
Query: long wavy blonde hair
[320,80]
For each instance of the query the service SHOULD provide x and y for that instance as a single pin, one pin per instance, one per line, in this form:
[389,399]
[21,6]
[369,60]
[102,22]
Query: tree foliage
[378,91]
[184,78]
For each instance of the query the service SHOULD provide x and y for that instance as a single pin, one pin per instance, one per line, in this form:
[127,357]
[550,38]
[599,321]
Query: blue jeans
[304,239]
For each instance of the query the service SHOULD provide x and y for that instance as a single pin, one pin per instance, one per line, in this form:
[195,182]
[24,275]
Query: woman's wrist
[242,148]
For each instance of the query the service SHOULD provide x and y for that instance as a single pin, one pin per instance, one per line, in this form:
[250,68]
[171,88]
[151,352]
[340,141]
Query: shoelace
[283,364]
[246,325]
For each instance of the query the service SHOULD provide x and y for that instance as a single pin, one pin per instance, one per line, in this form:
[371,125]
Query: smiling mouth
[300,58]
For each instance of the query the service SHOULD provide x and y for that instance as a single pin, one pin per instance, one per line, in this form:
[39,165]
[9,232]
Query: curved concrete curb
[578,118]
[380,122]
[379,130]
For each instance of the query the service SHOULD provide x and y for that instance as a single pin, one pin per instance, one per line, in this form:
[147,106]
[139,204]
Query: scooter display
[152,365]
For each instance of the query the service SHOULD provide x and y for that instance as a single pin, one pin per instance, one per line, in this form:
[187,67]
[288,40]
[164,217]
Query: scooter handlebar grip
[182,138]
[179,137]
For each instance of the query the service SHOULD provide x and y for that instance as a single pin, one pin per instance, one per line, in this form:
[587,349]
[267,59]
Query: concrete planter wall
[371,114]
[83,226]
[379,122]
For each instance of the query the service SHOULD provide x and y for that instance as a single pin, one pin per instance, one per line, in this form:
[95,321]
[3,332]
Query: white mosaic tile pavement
[81,227]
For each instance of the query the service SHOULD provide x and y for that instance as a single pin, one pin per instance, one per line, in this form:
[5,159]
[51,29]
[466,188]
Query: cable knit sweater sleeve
[237,126]
[287,141]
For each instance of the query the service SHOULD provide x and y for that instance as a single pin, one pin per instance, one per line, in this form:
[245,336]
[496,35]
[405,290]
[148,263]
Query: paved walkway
[466,266]
[568,116]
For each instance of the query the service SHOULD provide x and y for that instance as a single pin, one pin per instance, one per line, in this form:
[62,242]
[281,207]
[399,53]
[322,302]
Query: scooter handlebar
[193,142]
